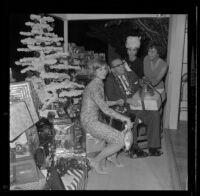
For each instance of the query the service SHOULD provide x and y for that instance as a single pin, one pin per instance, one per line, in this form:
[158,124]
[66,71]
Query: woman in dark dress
[134,63]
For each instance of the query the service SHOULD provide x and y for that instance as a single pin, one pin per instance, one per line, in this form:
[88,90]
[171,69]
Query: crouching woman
[93,101]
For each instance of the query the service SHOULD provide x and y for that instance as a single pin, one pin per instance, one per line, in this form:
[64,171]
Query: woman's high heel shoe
[96,168]
[114,162]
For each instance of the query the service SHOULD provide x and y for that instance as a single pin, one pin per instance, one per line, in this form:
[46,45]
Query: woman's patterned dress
[92,103]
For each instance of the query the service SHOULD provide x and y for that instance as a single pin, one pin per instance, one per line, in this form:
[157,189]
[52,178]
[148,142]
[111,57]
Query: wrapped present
[150,102]
[60,121]
[47,112]
[74,180]
[73,171]
[22,165]
[79,134]
[59,107]
[38,185]
[24,146]
[24,171]
[64,136]
[32,185]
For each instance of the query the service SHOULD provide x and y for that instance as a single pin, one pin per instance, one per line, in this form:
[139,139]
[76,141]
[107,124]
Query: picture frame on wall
[23,91]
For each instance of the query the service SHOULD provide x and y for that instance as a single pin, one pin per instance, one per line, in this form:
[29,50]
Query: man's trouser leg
[152,120]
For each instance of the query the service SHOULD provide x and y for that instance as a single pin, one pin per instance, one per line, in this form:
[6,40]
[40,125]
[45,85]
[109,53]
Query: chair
[142,135]
[139,127]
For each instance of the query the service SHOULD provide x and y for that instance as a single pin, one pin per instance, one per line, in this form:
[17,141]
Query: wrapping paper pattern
[74,180]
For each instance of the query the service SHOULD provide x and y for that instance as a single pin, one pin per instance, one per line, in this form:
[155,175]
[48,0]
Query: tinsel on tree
[48,67]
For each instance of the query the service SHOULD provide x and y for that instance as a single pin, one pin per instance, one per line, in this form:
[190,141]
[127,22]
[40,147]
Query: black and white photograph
[100,101]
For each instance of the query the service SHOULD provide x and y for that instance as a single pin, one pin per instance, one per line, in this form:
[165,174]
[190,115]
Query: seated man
[121,84]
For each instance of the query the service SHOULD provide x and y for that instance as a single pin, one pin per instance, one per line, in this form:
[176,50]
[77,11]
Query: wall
[174,59]
[184,85]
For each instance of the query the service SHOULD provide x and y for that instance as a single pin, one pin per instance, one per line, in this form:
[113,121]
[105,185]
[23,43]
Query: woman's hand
[128,127]
[133,101]
[146,79]
[126,66]
[129,124]
[120,102]
[136,102]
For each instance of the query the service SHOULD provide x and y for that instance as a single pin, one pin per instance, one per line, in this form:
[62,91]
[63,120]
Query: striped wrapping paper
[74,180]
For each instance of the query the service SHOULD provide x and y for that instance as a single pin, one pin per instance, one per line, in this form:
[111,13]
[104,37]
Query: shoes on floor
[137,152]
[115,162]
[154,152]
[96,167]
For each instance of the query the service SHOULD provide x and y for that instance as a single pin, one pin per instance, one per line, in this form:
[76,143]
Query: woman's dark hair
[157,46]
[93,65]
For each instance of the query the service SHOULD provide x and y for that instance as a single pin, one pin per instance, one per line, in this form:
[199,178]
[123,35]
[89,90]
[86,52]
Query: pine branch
[146,28]
[143,29]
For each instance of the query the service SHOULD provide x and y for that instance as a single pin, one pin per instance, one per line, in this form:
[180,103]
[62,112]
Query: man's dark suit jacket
[150,118]
[112,90]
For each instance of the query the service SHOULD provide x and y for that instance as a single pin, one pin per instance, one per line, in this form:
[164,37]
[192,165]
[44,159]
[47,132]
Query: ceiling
[105,16]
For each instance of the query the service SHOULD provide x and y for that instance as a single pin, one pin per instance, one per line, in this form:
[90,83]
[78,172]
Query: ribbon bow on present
[128,138]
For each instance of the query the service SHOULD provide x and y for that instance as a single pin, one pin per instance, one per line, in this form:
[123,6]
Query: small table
[150,102]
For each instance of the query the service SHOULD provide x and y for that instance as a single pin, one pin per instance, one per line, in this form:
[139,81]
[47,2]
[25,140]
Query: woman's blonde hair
[93,65]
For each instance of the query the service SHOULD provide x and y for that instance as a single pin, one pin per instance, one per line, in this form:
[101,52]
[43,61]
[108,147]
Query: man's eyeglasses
[118,65]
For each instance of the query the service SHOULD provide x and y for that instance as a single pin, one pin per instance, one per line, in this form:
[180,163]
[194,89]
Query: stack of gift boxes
[68,139]
[79,56]
[79,53]
[69,145]
[71,153]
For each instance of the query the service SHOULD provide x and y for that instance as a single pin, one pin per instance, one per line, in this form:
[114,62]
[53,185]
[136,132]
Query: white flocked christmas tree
[48,62]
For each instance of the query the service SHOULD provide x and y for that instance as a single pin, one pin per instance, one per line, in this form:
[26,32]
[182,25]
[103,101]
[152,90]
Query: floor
[179,142]
[151,173]
[166,172]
